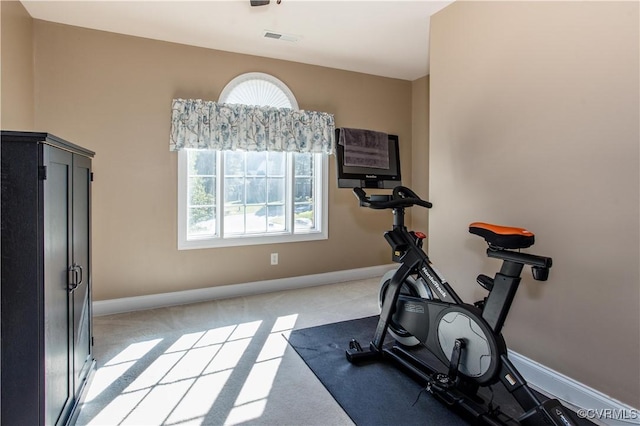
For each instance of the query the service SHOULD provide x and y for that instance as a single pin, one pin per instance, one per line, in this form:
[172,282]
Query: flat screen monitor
[369,177]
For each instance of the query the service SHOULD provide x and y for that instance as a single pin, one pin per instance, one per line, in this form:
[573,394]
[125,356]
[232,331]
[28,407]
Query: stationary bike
[419,308]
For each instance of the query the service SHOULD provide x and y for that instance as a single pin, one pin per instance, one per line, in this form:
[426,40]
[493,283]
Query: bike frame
[407,250]
[414,260]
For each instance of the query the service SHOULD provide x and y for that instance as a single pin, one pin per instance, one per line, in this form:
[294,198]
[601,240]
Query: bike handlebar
[401,197]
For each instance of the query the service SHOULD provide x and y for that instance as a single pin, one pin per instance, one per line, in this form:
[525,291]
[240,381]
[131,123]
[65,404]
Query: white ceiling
[385,38]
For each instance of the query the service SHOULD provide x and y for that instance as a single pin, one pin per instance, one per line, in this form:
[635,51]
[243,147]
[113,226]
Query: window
[229,198]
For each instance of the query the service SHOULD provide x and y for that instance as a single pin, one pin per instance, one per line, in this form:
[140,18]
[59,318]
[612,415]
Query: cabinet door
[57,256]
[81,257]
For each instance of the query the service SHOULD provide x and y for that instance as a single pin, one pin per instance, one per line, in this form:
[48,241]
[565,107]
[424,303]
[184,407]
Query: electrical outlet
[274,258]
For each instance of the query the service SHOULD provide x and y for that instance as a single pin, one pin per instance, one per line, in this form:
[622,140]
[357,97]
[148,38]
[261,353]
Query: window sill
[207,243]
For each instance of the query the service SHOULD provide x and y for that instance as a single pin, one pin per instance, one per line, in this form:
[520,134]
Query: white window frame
[321,196]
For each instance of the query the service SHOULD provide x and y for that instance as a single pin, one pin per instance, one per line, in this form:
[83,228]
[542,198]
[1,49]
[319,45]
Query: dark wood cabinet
[46,335]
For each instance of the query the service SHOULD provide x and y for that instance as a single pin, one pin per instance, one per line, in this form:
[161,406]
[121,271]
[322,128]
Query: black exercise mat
[376,393]
[371,394]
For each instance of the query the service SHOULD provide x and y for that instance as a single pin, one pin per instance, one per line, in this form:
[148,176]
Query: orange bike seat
[507,237]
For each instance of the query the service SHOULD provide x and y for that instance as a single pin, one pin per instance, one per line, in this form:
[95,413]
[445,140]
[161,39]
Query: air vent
[280,36]
[268,34]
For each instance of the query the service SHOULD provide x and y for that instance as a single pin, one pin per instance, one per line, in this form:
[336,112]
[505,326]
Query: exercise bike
[419,308]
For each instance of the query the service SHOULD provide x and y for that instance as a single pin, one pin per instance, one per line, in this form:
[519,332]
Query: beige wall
[16,85]
[112,94]
[535,123]
[420,150]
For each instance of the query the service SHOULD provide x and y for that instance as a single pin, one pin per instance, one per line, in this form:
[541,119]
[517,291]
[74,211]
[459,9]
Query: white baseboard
[152,301]
[601,409]
[597,407]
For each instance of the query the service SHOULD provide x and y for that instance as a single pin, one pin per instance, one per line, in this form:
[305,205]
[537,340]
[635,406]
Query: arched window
[256,88]
[228,198]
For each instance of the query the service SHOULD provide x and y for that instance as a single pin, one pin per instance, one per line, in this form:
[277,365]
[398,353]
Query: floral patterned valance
[210,125]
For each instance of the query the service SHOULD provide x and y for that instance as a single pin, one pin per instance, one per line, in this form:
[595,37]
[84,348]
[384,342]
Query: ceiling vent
[280,36]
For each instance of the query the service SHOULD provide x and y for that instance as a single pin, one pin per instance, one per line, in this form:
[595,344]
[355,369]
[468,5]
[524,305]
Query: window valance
[210,125]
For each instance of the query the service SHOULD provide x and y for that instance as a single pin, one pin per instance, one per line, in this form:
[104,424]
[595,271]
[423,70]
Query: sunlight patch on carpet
[252,400]
[117,366]
[181,384]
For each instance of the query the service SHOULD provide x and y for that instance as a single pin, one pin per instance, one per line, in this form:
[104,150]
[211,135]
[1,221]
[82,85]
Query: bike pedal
[439,386]
[444,380]
[439,383]
[449,399]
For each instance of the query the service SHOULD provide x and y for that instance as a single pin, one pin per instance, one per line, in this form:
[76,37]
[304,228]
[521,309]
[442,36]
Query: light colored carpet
[221,362]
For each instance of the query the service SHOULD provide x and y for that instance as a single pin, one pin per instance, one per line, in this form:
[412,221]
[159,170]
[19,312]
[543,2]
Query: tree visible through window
[251,197]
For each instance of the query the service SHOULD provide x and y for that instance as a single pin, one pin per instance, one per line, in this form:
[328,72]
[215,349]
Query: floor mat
[376,393]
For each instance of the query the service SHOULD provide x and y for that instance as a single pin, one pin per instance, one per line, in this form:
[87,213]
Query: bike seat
[507,237]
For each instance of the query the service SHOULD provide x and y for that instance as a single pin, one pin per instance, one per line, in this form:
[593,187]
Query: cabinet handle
[73,278]
[81,275]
